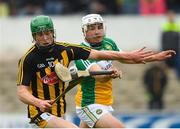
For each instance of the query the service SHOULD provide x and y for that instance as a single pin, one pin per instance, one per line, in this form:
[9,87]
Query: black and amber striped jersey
[36,70]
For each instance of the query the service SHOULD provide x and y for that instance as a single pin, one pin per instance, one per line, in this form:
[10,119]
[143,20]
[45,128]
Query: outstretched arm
[137,55]
[160,56]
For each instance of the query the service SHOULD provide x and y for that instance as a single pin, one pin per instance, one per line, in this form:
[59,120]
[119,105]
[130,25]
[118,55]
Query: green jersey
[92,90]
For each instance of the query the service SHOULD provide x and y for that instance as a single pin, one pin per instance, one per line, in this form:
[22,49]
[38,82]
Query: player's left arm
[160,56]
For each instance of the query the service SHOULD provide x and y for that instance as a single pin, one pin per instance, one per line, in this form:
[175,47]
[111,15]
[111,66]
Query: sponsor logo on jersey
[50,79]
[40,65]
[105,65]
[108,47]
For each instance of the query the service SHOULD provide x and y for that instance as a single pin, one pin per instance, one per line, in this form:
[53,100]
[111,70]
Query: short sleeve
[24,72]
[80,52]
[84,64]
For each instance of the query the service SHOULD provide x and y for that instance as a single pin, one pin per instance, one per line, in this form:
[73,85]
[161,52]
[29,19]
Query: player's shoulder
[67,44]
[73,45]
[108,40]
[62,43]
[29,53]
[109,44]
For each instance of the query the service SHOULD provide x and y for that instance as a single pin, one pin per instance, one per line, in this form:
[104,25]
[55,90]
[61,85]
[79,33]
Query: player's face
[95,33]
[44,38]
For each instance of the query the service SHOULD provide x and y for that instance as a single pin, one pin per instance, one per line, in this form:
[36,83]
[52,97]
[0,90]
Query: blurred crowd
[56,7]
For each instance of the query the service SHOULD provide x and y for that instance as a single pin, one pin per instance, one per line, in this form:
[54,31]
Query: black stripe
[64,98]
[46,92]
[28,112]
[34,88]
[45,88]
[57,92]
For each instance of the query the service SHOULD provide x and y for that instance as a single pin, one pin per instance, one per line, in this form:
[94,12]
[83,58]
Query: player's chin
[98,39]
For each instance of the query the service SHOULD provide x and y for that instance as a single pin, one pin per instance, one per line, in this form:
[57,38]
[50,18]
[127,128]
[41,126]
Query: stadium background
[130,98]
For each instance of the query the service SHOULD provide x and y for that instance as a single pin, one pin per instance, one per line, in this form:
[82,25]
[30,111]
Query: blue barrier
[131,120]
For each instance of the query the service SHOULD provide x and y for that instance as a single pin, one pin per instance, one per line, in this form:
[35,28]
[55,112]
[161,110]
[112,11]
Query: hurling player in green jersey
[94,96]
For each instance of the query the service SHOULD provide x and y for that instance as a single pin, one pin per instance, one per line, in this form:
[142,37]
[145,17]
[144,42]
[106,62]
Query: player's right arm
[26,97]
[25,73]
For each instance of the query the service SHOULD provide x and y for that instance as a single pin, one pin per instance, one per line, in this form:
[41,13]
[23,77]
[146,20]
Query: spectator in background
[173,5]
[30,7]
[170,39]
[76,6]
[4,8]
[103,7]
[54,7]
[155,80]
[149,7]
[13,5]
[130,6]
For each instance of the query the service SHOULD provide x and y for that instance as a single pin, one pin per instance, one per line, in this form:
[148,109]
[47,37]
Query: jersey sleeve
[24,72]
[79,52]
[84,64]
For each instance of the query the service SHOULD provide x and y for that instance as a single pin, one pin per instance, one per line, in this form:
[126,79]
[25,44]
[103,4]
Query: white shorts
[46,116]
[92,113]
